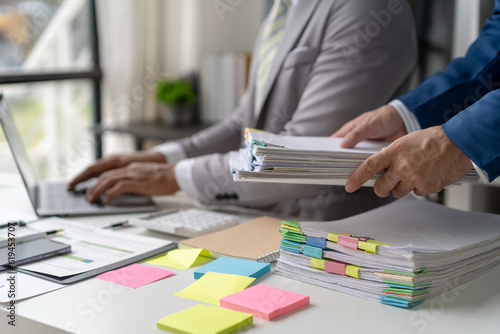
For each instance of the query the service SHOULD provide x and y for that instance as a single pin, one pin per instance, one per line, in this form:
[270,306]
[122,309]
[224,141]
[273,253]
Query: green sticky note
[183,258]
[205,319]
[213,286]
[293,223]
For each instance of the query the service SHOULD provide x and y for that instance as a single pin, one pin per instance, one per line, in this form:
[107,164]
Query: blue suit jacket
[465,99]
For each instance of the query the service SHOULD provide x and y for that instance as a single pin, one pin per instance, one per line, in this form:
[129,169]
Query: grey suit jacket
[336,59]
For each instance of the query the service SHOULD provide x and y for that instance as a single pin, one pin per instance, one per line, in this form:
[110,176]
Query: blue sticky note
[398,302]
[316,242]
[226,265]
[313,251]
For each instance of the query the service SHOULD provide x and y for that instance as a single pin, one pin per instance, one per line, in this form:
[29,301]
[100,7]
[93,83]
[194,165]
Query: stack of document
[399,254]
[268,157]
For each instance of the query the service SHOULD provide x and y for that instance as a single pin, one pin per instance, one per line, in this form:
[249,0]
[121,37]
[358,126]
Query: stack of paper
[399,254]
[273,158]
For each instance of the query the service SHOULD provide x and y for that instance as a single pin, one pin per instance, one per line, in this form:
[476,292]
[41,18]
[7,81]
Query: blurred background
[82,77]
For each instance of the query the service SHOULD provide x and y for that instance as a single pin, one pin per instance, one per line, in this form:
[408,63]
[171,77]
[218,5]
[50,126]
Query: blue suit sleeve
[476,132]
[465,81]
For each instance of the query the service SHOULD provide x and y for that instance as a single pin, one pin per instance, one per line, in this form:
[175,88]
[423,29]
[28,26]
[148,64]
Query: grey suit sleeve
[351,74]
[221,137]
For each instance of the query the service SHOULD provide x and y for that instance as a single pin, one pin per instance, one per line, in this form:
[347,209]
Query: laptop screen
[16,147]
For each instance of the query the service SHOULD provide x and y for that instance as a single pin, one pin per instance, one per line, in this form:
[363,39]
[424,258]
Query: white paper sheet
[91,248]
[25,286]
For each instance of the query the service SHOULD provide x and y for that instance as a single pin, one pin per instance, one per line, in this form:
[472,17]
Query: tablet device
[31,251]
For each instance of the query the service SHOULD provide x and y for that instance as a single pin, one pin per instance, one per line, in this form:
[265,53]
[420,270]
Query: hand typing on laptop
[50,198]
[144,173]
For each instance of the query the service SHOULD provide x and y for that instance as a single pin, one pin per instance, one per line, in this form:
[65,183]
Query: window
[50,77]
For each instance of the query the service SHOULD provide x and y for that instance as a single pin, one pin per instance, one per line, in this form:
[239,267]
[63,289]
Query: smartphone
[30,251]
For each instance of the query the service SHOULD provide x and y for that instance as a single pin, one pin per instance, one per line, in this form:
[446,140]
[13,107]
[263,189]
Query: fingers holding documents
[383,123]
[424,161]
[144,178]
[115,161]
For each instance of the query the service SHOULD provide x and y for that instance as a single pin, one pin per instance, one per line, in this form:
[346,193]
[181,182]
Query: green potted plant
[177,97]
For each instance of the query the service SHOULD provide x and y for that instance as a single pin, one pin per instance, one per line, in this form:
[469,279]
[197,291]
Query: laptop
[52,198]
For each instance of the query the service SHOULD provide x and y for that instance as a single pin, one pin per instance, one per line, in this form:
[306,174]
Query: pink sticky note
[335,267]
[135,275]
[347,241]
[264,301]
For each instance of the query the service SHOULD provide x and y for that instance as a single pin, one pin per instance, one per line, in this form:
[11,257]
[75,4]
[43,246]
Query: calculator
[187,223]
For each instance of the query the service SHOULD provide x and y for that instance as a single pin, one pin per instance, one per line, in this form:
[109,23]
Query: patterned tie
[269,46]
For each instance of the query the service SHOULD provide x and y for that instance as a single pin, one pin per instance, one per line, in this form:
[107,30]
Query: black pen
[126,223]
[118,224]
[29,237]
[12,223]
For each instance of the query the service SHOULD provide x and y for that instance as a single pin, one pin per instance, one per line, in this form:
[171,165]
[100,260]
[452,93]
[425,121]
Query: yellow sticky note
[368,247]
[213,286]
[183,258]
[205,319]
[352,271]
[318,263]
[333,237]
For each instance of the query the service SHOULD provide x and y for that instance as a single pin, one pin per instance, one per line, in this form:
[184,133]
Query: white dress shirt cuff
[173,152]
[409,119]
[184,176]
[481,172]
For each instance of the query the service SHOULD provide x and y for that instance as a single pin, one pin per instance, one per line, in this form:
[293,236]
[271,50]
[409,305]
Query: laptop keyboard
[54,196]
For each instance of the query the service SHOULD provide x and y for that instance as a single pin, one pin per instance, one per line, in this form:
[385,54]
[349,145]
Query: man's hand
[144,178]
[424,161]
[383,124]
[114,162]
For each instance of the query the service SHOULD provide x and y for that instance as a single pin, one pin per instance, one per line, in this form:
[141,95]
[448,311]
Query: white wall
[194,27]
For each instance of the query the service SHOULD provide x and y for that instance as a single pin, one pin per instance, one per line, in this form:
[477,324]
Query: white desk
[94,306]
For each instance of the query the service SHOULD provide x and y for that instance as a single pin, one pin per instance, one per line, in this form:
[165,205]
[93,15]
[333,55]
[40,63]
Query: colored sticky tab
[293,223]
[368,247]
[290,227]
[398,302]
[291,246]
[318,263]
[313,251]
[264,301]
[205,319]
[290,249]
[351,270]
[228,265]
[135,275]
[247,130]
[292,235]
[183,258]
[333,237]
[213,286]
[291,243]
[347,241]
[316,242]
[335,267]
